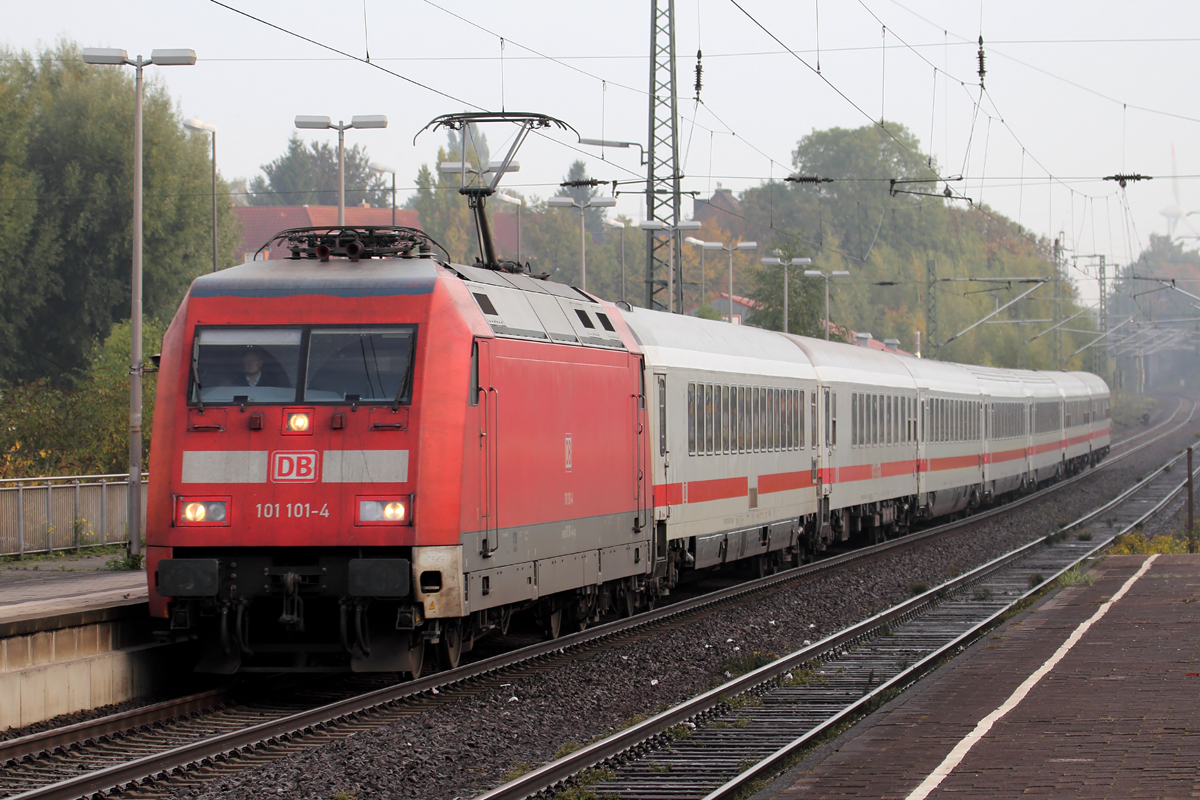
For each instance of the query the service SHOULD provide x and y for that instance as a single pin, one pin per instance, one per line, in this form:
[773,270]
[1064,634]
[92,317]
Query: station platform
[65,586]
[1092,692]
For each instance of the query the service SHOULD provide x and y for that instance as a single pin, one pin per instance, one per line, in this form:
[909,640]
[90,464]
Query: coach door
[662,456]
[487,397]
[641,474]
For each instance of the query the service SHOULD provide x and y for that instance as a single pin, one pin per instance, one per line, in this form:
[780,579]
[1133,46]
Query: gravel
[474,741]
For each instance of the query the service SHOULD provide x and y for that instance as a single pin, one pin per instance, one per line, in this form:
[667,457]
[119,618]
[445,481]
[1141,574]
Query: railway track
[203,735]
[737,736]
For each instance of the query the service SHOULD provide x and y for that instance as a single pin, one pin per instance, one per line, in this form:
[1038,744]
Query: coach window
[718,425]
[662,415]
[740,416]
[773,419]
[785,410]
[725,421]
[780,419]
[691,412]
[788,432]
[764,420]
[854,419]
[708,419]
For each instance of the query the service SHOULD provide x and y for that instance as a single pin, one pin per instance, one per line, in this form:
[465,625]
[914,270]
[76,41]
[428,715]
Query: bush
[1136,543]
[82,427]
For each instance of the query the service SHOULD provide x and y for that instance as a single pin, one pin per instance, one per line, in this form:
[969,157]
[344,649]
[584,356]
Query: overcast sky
[1076,89]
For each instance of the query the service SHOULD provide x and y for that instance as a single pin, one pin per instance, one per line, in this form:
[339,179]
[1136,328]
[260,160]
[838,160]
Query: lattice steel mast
[663,200]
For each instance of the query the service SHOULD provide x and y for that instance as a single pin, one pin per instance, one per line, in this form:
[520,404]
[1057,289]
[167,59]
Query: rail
[128,772]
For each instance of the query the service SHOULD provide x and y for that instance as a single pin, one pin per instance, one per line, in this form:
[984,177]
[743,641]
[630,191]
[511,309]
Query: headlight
[385,510]
[202,512]
[298,422]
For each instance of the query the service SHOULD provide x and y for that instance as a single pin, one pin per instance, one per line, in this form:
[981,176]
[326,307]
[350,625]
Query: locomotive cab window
[370,363]
[289,365]
[258,364]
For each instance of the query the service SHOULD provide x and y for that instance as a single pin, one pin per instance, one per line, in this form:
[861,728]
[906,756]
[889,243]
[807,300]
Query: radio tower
[662,171]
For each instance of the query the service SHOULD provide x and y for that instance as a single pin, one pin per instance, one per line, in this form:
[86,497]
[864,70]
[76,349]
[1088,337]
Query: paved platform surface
[64,586]
[1117,715]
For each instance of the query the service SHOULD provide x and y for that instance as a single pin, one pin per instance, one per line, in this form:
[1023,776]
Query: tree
[68,152]
[47,428]
[442,210]
[308,175]
[884,239]
[806,300]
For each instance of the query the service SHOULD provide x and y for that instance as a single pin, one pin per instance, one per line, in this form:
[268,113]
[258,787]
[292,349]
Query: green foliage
[124,562]
[1075,577]
[47,428]
[309,176]
[859,226]
[749,662]
[1136,543]
[66,165]
[806,301]
[565,749]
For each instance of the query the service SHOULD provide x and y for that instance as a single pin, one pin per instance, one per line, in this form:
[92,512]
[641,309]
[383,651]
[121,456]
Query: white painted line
[963,747]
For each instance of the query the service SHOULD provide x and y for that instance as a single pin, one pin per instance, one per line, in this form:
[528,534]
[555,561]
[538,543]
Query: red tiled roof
[260,223]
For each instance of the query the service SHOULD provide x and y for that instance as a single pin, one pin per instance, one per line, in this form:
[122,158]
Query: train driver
[255,372]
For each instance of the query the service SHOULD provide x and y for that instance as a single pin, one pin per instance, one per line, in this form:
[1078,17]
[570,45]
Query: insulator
[982,71]
[699,72]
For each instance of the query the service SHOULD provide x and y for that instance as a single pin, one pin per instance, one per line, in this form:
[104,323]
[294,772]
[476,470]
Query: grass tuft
[1074,577]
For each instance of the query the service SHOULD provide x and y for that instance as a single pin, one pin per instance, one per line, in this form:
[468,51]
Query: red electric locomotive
[340,439]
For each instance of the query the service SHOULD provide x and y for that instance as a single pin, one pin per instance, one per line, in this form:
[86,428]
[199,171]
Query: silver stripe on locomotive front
[364,466]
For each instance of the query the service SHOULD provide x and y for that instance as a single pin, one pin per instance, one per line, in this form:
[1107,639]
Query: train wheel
[554,621]
[416,655]
[450,645]
[628,601]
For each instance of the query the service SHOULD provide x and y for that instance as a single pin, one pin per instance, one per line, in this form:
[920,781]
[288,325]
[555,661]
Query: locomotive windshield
[371,364]
[260,364]
[290,365]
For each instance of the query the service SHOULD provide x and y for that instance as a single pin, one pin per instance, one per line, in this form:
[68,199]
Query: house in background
[743,307]
[723,207]
[260,223]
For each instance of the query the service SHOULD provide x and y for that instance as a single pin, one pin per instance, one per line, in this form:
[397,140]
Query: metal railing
[69,512]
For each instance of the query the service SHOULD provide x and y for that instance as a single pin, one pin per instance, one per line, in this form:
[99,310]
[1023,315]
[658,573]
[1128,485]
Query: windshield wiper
[196,378]
[406,381]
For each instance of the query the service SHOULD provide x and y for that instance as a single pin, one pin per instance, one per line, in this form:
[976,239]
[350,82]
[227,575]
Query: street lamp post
[321,123]
[692,240]
[787,265]
[611,143]
[204,127]
[375,166]
[163,58]
[730,249]
[518,202]
[674,230]
[566,201]
[615,223]
[816,273]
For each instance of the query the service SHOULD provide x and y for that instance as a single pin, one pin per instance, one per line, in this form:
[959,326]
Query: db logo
[294,467]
